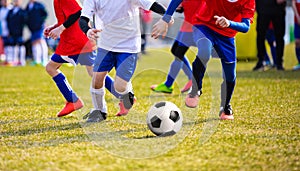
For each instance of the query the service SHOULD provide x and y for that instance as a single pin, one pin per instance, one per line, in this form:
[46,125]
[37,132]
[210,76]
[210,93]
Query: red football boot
[123,110]
[70,107]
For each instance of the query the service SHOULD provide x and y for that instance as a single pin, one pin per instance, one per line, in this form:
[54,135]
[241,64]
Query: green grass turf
[263,136]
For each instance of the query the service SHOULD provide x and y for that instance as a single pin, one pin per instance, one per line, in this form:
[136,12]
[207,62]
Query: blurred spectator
[37,15]
[16,19]
[146,19]
[270,36]
[296,8]
[2,56]
[270,11]
[5,7]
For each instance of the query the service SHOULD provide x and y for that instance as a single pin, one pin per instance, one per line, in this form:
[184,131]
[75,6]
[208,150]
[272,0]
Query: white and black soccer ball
[164,118]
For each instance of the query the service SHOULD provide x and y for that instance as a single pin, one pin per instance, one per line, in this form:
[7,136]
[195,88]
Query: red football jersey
[233,10]
[298,9]
[72,40]
[190,7]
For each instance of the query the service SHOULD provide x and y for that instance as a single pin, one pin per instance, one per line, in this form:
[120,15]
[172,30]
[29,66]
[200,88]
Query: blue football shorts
[82,59]
[224,46]
[185,39]
[124,63]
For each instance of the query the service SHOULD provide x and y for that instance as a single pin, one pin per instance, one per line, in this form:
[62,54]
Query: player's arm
[242,26]
[55,33]
[88,12]
[161,27]
[85,27]
[297,15]
[158,8]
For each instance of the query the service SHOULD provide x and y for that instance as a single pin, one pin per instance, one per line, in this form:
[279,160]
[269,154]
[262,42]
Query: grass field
[265,134]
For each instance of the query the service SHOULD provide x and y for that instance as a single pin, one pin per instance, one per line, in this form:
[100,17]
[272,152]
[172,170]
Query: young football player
[180,46]
[74,47]
[215,26]
[118,30]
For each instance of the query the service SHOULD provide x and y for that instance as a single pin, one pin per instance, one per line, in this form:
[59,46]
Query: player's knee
[120,85]
[178,51]
[120,88]
[98,80]
[204,49]
[50,69]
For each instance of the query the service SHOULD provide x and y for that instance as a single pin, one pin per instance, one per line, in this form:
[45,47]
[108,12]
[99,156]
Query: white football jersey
[119,21]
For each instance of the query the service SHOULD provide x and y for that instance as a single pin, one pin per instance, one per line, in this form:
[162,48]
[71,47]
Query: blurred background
[246,43]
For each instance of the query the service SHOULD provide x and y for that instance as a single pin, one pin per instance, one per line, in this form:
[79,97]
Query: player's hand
[47,30]
[55,33]
[222,21]
[160,28]
[92,34]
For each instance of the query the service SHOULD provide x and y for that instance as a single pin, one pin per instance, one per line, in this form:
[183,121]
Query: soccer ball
[164,118]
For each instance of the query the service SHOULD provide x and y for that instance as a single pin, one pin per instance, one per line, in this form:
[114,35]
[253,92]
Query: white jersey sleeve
[145,4]
[89,9]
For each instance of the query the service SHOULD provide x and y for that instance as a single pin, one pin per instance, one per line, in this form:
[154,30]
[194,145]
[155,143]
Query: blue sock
[109,85]
[227,87]
[198,73]
[173,72]
[187,68]
[65,88]
[200,63]
[298,54]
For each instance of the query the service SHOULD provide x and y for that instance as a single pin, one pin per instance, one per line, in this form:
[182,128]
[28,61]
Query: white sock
[37,53]
[98,99]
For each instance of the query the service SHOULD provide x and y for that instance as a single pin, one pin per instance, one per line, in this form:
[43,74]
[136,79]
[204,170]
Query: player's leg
[297,45]
[178,50]
[227,88]
[97,90]
[109,85]
[72,101]
[102,65]
[187,40]
[187,69]
[227,53]
[125,67]
[204,44]
[88,59]
[167,86]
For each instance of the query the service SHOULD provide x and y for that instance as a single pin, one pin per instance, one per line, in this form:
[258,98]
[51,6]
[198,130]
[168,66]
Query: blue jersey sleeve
[243,26]
[171,9]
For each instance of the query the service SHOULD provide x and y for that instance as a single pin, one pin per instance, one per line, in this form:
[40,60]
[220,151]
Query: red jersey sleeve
[70,7]
[248,9]
[58,12]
